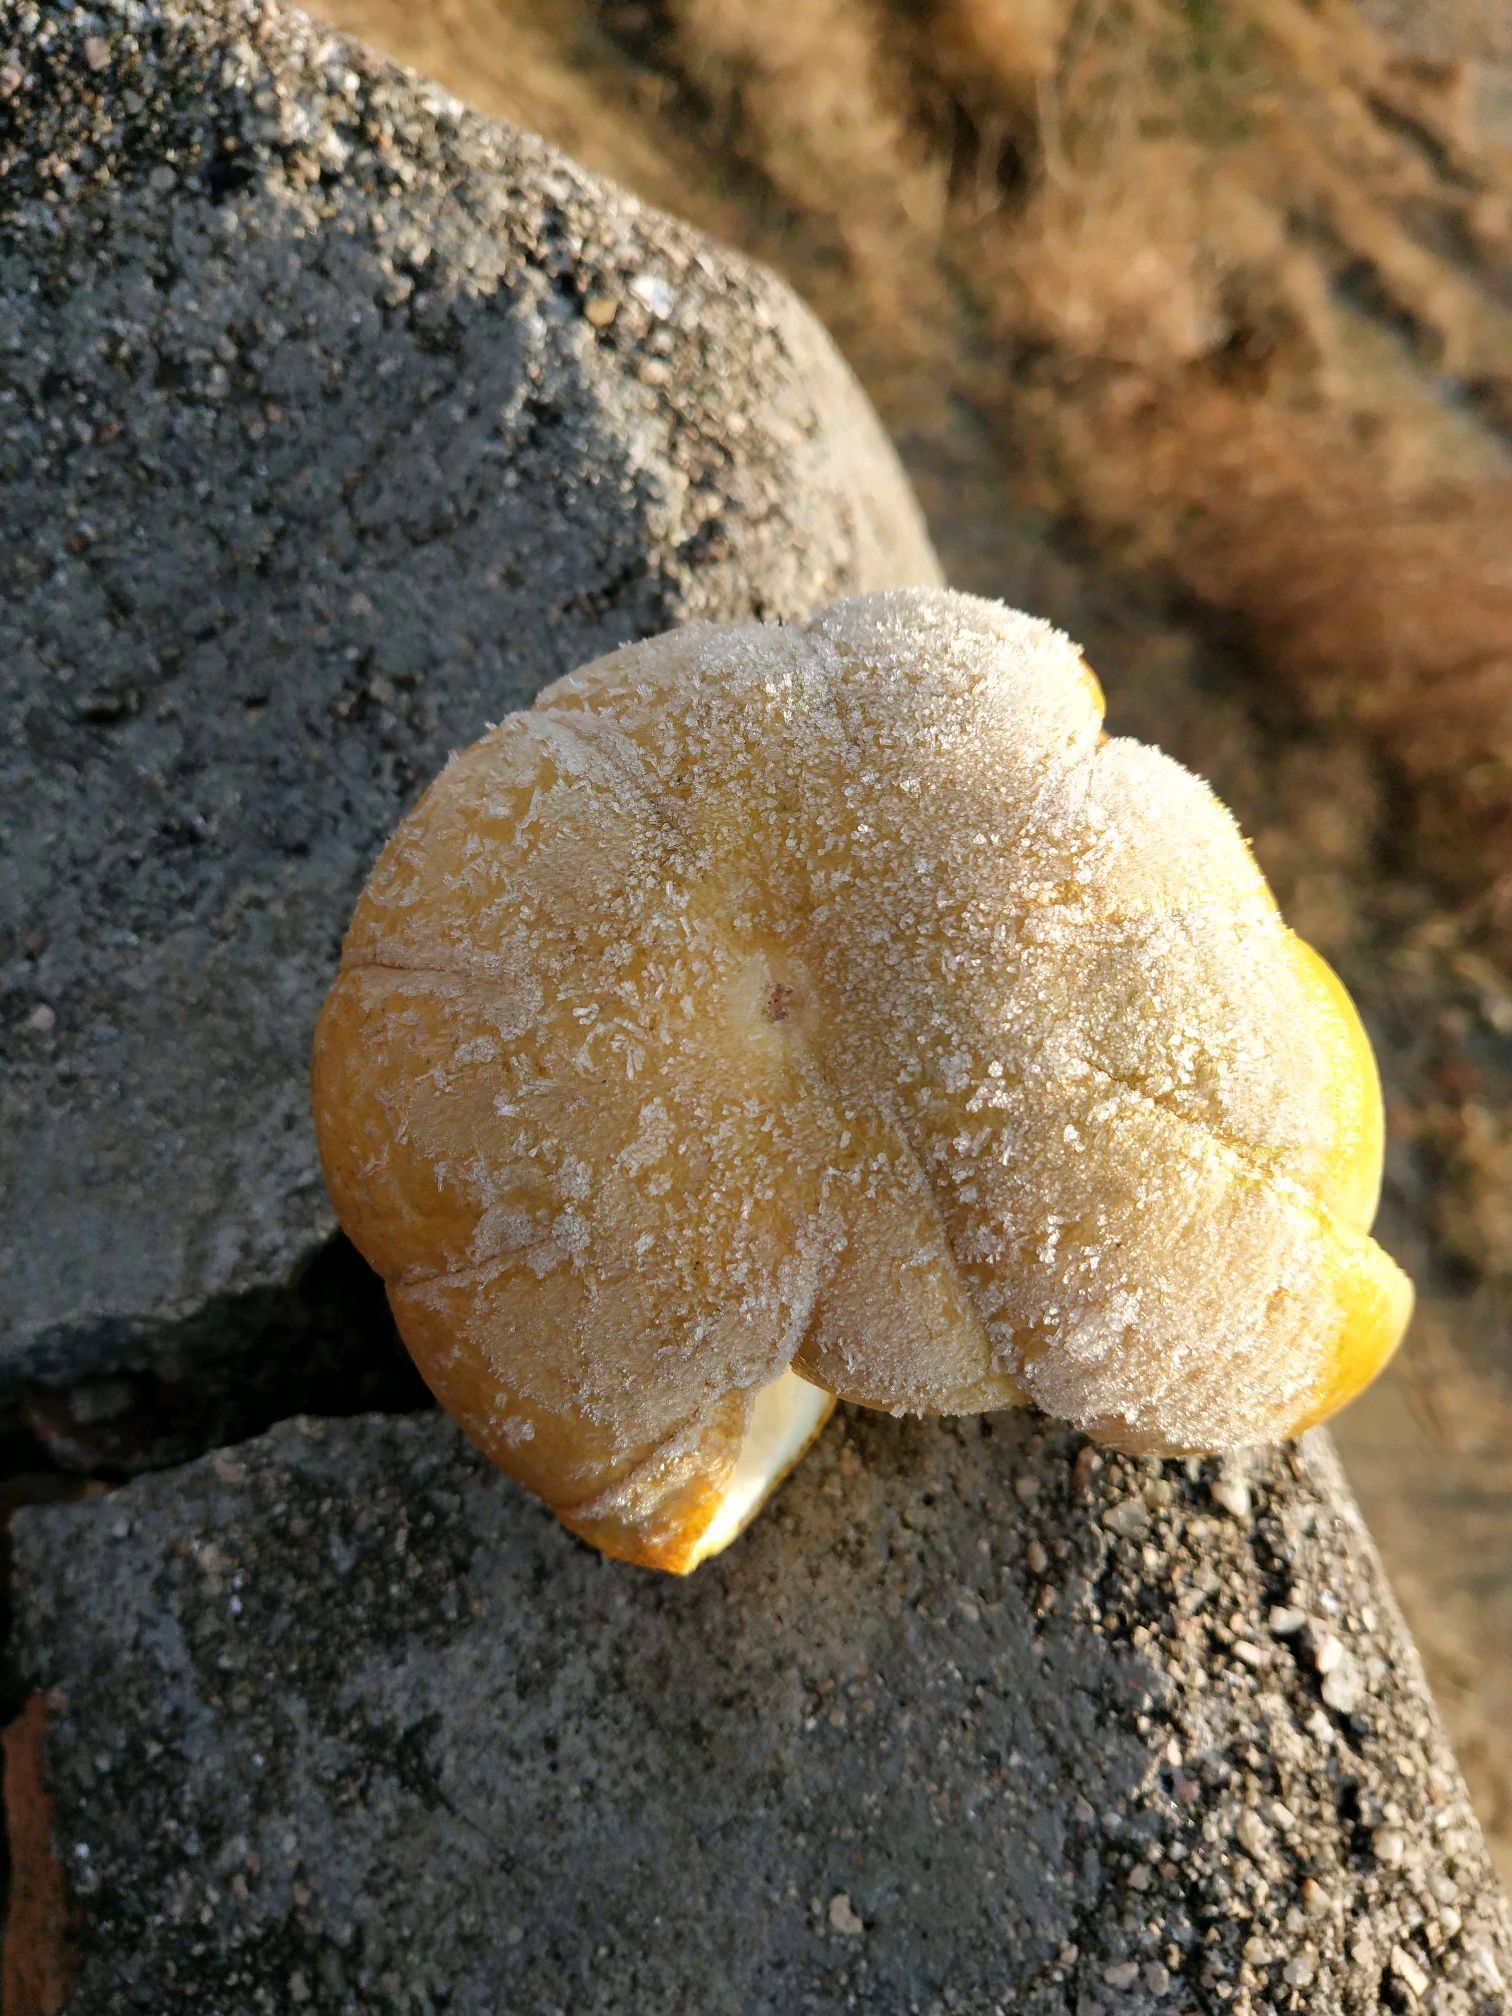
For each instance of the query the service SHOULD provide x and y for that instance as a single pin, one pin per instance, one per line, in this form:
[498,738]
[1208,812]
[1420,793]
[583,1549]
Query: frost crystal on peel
[839,995]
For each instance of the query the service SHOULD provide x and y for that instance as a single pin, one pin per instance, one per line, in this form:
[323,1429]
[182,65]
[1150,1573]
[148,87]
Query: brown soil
[1193,322]
[37,1966]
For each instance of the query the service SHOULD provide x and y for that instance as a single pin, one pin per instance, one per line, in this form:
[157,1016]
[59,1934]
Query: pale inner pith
[788,1413]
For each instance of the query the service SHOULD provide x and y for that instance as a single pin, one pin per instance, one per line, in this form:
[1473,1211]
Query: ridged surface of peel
[840,996]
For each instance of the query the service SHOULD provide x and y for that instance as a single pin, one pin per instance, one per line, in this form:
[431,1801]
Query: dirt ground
[1193,326]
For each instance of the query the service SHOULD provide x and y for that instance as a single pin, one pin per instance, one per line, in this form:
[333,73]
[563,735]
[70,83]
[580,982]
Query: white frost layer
[840,990]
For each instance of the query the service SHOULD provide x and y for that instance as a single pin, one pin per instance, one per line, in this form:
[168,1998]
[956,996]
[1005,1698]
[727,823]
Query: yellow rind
[1372,1296]
[675,1513]
[658,1074]
[1348,1178]
[1373,1300]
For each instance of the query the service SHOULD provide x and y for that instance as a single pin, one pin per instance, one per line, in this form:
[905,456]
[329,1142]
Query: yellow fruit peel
[778,1012]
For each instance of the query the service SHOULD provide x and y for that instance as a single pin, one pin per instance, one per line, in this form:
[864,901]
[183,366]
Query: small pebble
[1085,1468]
[1036,1558]
[1314,1898]
[1121,1973]
[1301,1970]
[653,293]
[43,1019]
[1253,1834]
[1388,1845]
[1284,1622]
[1129,1518]
[842,1916]
[600,311]
[1409,1973]
[1157,1978]
[1342,1689]
[1233,1494]
[1327,1654]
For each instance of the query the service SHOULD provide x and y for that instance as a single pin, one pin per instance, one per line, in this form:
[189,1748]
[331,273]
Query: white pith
[786,1416]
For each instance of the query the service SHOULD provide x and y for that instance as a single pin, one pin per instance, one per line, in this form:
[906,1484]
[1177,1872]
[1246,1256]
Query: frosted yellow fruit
[779,1012]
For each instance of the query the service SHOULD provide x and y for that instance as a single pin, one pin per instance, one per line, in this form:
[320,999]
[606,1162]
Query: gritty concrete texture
[334,420]
[972,1719]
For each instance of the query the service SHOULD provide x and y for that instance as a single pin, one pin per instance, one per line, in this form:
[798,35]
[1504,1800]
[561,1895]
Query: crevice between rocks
[323,1343]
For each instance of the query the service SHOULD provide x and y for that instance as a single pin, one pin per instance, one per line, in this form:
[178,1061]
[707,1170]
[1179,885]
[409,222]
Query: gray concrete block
[972,1718]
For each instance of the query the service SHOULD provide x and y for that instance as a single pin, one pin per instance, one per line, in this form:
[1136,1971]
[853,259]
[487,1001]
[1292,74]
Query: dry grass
[1385,609]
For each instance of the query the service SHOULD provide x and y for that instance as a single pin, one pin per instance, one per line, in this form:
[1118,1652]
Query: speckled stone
[334,421]
[341,1720]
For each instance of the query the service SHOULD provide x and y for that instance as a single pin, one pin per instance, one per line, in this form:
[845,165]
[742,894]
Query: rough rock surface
[334,420]
[971,1719]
